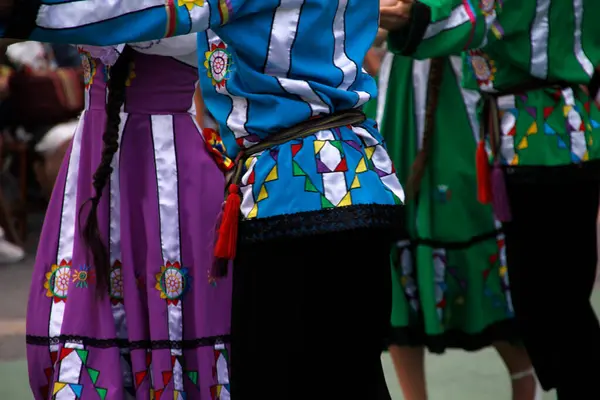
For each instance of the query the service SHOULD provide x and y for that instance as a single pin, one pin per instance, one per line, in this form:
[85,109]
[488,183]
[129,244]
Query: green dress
[507,44]
[450,285]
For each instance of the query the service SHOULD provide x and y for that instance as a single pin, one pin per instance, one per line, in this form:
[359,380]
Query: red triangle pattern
[64,352]
[342,166]
[296,148]
[53,356]
[139,378]
[48,372]
[167,375]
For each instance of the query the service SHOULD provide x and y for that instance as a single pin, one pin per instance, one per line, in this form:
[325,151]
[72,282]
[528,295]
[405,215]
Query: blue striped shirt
[264,65]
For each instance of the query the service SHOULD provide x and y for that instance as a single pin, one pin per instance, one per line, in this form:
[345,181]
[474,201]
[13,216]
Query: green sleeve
[440,28]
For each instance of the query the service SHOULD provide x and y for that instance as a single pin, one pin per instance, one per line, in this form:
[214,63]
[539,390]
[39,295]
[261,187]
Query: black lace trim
[126,344]
[332,220]
[450,245]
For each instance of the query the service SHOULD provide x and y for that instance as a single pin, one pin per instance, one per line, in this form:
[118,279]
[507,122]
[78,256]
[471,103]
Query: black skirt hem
[503,331]
[588,171]
[332,220]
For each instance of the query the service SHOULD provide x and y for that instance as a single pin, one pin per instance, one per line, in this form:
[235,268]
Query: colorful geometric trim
[171,10]
[216,148]
[189,4]
[225,11]
[221,390]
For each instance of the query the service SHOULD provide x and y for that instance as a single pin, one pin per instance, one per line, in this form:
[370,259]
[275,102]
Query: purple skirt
[163,330]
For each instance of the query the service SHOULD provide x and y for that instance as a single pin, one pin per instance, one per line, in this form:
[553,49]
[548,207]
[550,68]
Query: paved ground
[454,376]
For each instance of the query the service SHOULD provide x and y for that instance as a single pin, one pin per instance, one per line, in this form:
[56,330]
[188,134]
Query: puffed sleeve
[111,22]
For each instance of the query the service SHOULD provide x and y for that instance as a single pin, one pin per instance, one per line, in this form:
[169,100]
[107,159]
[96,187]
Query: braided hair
[436,71]
[119,73]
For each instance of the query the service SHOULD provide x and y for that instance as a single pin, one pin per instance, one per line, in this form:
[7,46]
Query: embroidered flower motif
[83,276]
[189,4]
[218,64]
[115,289]
[172,282]
[89,68]
[483,67]
[57,281]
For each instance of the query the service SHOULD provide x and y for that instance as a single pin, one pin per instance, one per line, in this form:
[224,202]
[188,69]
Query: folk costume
[542,135]
[163,328]
[310,176]
[450,280]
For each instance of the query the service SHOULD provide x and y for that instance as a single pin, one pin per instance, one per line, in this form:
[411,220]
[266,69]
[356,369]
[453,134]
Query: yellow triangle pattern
[361,167]
[370,151]
[346,201]
[58,386]
[523,144]
[254,212]
[515,160]
[263,194]
[273,175]
[586,156]
[533,129]
[319,145]
[566,110]
[355,183]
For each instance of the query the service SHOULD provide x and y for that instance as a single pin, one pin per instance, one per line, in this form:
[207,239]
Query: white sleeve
[174,46]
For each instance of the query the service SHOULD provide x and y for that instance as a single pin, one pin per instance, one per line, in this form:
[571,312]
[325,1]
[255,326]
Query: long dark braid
[119,73]
[436,71]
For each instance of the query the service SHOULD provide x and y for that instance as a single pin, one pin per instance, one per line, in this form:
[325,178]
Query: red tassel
[484,186]
[227,242]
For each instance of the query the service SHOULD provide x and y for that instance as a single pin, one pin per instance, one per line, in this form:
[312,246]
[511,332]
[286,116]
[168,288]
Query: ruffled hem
[503,331]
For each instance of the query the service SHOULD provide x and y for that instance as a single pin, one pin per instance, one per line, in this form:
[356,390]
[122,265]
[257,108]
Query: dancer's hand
[394,14]
[380,38]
